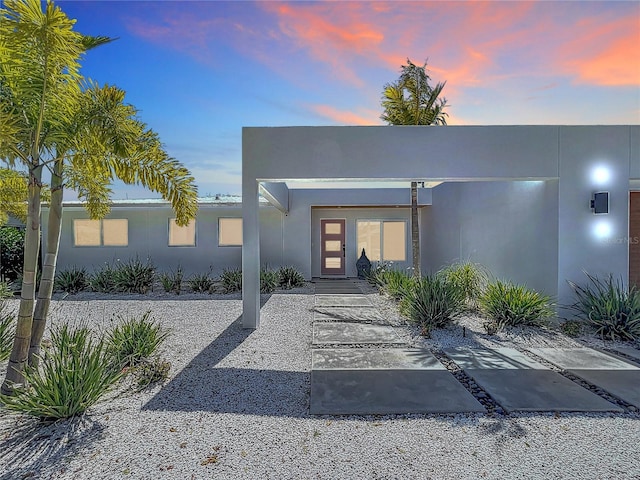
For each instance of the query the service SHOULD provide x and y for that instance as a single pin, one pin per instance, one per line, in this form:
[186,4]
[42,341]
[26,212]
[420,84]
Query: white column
[250,253]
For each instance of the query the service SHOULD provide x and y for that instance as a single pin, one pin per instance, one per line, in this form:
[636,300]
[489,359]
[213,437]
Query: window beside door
[383,240]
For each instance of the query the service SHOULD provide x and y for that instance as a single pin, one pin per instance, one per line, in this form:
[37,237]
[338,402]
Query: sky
[199,71]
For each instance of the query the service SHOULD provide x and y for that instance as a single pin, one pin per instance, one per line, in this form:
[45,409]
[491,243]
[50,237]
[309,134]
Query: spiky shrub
[609,306]
[73,280]
[151,371]
[172,281]
[7,329]
[134,339]
[395,283]
[5,290]
[103,280]
[201,282]
[231,280]
[268,280]
[376,276]
[74,373]
[508,304]
[289,277]
[471,278]
[134,276]
[432,302]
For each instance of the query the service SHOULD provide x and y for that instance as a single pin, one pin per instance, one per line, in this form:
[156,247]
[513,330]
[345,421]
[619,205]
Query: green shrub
[134,276]
[268,280]
[376,276]
[432,302]
[73,280]
[508,304]
[289,277]
[103,280]
[151,371]
[395,283]
[231,280]
[11,252]
[202,283]
[74,373]
[134,340]
[7,330]
[609,306]
[172,281]
[5,290]
[471,278]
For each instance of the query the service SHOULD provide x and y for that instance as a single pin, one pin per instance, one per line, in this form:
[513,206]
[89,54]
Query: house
[516,199]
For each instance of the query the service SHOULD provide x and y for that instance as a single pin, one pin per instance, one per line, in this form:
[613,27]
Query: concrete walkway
[367,369]
[361,366]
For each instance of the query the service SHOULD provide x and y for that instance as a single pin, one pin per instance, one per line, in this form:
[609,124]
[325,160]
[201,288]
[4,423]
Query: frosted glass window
[333,228]
[332,245]
[230,232]
[333,262]
[369,239]
[382,240]
[182,236]
[394,242]
[115,232]
[86,233]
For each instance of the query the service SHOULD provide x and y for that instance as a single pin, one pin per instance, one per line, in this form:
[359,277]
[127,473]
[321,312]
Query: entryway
[634,238]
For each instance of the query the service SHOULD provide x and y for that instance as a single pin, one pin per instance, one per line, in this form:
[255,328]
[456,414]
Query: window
[182,236]
[383,240]
[94,233]
[229,232]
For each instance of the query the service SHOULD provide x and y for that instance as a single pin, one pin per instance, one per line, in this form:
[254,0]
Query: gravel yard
[236,406]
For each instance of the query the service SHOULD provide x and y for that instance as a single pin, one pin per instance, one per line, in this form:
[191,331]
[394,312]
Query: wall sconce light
[600,203]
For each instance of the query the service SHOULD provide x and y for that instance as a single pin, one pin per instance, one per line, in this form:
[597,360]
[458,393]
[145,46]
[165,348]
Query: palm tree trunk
[20,351]
[45,289]
[415,232]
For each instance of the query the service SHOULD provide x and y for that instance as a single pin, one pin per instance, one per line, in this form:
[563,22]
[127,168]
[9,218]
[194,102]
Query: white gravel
[236,406]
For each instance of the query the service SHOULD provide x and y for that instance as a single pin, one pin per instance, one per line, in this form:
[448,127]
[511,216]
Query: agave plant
[609,306]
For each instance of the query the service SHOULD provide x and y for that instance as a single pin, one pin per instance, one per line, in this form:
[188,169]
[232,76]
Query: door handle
[344,250]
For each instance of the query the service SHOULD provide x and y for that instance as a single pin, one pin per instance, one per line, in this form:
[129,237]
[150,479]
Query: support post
[250,253]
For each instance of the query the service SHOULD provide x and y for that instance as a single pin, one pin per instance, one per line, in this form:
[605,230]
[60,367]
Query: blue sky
[200,71]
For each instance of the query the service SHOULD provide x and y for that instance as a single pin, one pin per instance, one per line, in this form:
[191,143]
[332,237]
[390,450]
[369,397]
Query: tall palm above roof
[85,136]
[411,100]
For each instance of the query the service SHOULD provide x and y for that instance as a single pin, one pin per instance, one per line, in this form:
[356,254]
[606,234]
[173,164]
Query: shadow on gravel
[32,449]
[201,386]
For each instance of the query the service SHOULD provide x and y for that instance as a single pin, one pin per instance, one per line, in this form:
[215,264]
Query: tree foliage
[84,135]
[411,100]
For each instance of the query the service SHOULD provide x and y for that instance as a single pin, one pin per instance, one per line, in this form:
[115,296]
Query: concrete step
[349,333]
[519,383]
[384,381]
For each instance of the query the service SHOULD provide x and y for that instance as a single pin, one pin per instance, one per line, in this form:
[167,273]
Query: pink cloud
[345,117]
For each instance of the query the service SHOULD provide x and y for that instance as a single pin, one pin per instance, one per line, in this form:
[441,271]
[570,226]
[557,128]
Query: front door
[332,247]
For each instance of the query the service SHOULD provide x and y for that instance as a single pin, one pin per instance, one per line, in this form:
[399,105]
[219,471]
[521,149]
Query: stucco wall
[148,238]
[509,227]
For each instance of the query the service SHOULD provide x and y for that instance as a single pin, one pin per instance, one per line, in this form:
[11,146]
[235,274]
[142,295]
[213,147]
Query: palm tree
[410,100]
[84,135]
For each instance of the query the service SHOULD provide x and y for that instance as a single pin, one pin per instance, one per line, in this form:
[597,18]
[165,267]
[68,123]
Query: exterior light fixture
[600,203]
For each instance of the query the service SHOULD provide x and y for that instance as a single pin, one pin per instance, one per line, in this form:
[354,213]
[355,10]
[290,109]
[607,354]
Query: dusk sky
[200,71]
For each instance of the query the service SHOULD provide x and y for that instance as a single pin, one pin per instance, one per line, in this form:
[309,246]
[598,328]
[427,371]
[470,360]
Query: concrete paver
[343,301]
[630,351]
[347,314]
[518,383]
[614,375]
[344,333]
[384,381]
